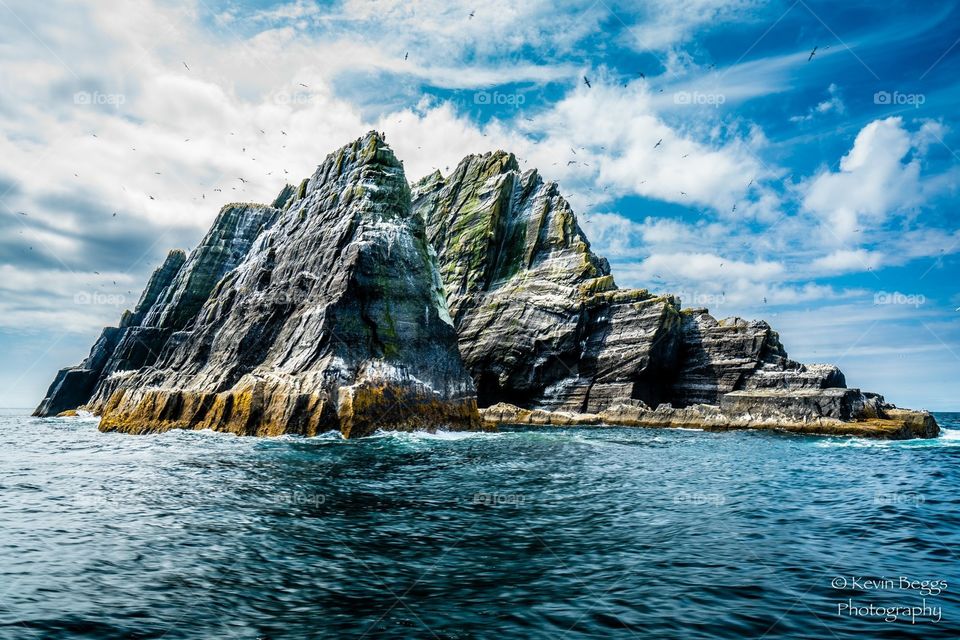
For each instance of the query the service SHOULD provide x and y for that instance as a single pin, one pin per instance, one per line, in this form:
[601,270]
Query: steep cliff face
[74,386]
[540,320]
[542,324]
[325,314]
[171,300]
[720,356]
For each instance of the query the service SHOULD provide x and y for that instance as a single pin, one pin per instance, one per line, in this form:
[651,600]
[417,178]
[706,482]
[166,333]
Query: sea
[533,532]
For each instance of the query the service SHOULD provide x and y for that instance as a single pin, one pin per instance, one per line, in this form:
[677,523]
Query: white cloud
[661,25]
[847,260]
[708,267]
[613,136]
[834,104]
[876,179]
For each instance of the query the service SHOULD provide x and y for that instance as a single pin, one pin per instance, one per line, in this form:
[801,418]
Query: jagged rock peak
[489,222]
[332,317]
[542,323]
[540,319]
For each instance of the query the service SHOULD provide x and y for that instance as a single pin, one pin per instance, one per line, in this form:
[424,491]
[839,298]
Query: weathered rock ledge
[891,424]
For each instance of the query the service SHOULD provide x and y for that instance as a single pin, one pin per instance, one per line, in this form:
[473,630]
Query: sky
[789,161]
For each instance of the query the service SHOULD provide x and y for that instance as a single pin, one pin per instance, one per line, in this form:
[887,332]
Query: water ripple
[526,533]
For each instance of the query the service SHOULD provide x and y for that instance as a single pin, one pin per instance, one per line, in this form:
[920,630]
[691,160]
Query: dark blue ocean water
[534,533]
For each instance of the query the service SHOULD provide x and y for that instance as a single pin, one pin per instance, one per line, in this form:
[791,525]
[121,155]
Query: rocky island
[356,302]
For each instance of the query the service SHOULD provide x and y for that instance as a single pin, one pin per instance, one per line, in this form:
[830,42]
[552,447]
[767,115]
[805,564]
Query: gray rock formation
[720,356]
[540,320]
[322,312]
[543,327]
[355,303]
[74,386]
[542,324]
[171,300]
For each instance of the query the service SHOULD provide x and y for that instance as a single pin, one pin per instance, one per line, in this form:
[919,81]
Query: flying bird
[406,55]
[659,142]
[242,180]
[151,197]
[734,210]
[185,64]
[23,213]
[812,53]
[471,15]
[586,81]
[303,85]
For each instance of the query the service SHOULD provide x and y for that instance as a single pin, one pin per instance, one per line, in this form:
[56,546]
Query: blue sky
[819,194]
